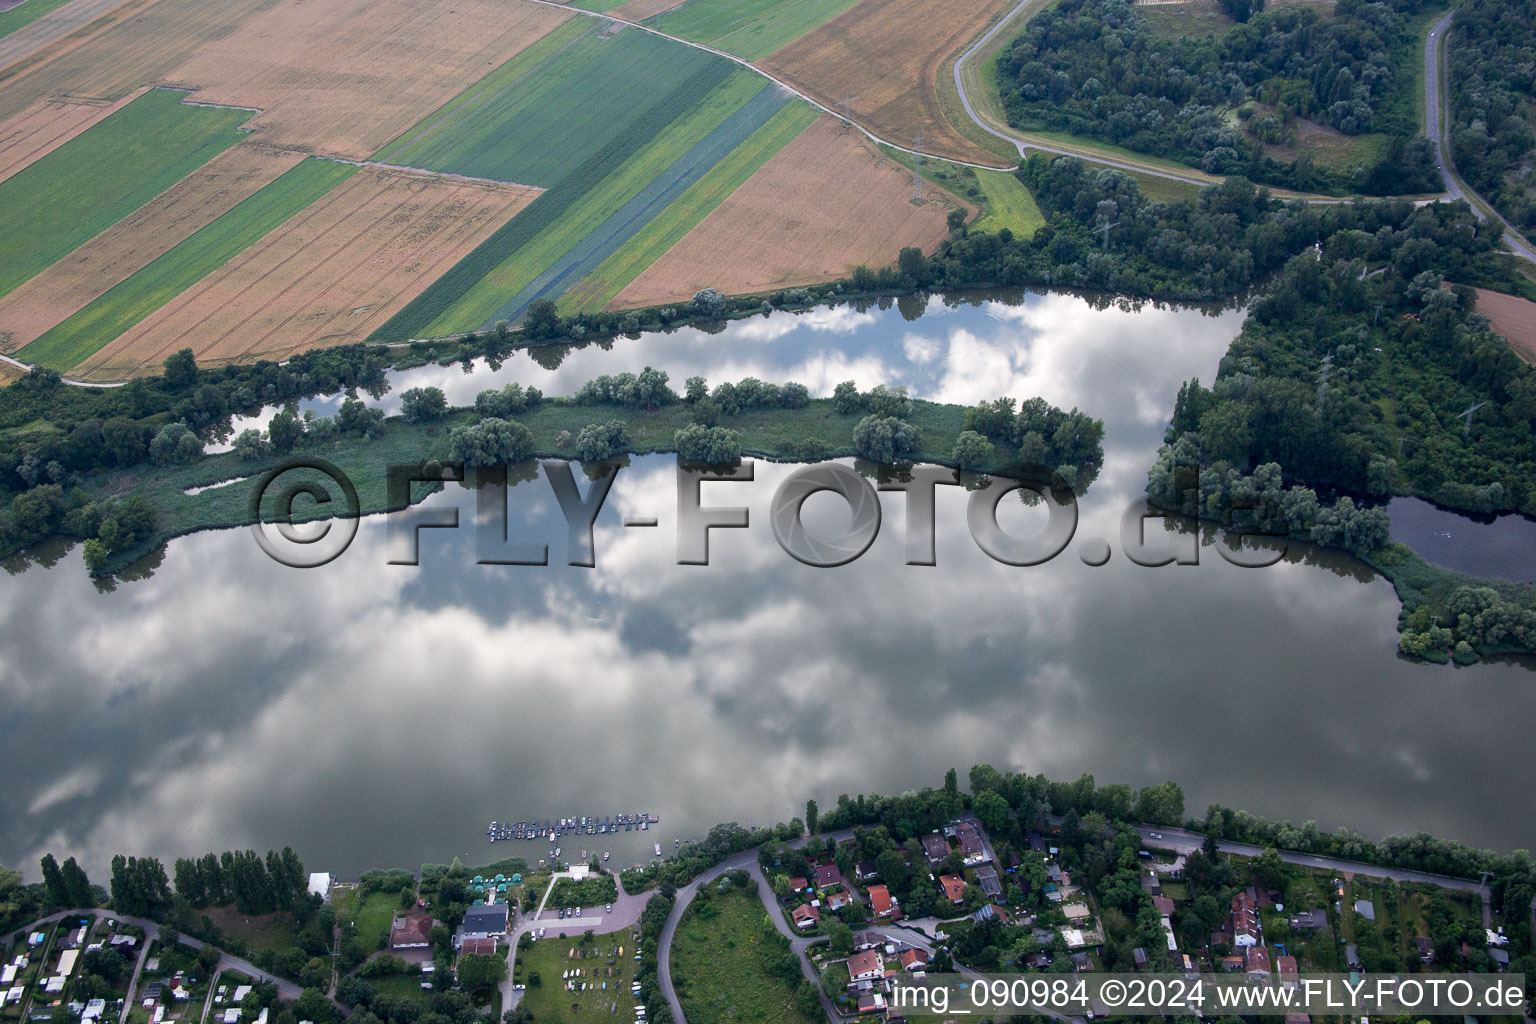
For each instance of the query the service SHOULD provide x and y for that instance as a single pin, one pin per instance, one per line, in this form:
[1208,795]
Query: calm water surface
[373,714]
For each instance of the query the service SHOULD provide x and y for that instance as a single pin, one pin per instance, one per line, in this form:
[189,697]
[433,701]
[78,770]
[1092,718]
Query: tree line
[1490,54]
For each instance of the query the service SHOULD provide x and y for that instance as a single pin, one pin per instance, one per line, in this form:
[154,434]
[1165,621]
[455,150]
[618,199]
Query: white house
[320,884]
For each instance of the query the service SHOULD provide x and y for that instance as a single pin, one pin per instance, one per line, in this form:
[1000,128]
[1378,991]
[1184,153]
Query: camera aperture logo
[305,515]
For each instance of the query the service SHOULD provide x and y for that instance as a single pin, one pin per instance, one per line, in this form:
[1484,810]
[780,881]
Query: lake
[372,714]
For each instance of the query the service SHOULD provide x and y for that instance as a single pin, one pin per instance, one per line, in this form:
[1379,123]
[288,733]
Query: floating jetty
[503,831]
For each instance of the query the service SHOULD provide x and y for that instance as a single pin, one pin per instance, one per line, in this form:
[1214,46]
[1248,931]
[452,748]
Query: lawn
[213,245]
[748,28]
[662,232]
[457,297]
[275,931]
[26,14]
[1195,19]
[536,128]
[1009,205]
[605,960]
[103,174]
[583,206]
[374,916]
[720,964]
[403,986]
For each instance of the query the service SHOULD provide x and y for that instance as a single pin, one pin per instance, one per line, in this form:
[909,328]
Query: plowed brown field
[343,77]
[133,242]
[47,125]
[639,10]
[327,276]
[1514,318]
[887,53]
[851,205]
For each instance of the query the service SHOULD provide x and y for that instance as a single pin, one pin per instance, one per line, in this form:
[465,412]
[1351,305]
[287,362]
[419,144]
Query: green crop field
[488,89]
[721,966]
[139,295]
[1009,205]
[647,245]
[569,107]
[598,203]
[748,28]
[105,173]
[654,119]
[26,14]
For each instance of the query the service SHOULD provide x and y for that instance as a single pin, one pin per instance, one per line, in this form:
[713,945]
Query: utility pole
[1105,229]
[917,170]
[847,110]
[1467,416]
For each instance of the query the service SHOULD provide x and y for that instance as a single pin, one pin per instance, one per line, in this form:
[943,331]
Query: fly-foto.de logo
[317,531]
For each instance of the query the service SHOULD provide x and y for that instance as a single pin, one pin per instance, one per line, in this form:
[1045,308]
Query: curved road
[1438,123]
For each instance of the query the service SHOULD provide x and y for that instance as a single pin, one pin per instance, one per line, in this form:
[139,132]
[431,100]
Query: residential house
[410,930]
[1082,962]
[1163,905]
[991,911]
[1258,963]
[865,966]
[971,846]
[1500,957]
[1245,920]
[838,900]
[806,916]
[913,960]
[864,870]
[1309,921]
[799,884]
[871,1002]
[320,884]
[880,901]
[479,946]
[954,888]
[1352,957]
[1232,964]
[867,940]
[935,848]
[986,877]
[1038,961]
[827,876]
[1152,884]
[1426,948]
[1366,909]
[1287,971]
[1139,958]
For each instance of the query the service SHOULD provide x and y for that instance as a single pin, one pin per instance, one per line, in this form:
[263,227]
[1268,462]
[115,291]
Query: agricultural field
[162,280]
[144,235]
[669,227]
[660,129]
[47,125]
[1512,317]
[103,174]
[854,206]
[325,87]
[136,43]
[748,28]
[15,15]
[36,23]
[887,53]
[326,276]
[639,10]
[1009,205]
[535,129]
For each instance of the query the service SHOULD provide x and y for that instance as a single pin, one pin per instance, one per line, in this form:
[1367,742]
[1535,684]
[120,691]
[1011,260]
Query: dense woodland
[1234,103]
[1492,70]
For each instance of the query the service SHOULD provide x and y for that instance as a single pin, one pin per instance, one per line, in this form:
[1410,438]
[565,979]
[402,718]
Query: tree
[715,446]
[598,441]
[810,816]
[846,399]
[77,888]
[53,882]
[542,319]
[175,444]
[180,370]
[886,440]
[841,936]
[709,302]
[481,971]
[972,450]
[991,810]
[423,405]
[695,389]
[490,442]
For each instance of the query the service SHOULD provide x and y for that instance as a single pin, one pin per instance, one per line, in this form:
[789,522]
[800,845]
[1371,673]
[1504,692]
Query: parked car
[610,908]
[1154,835]
[578,911]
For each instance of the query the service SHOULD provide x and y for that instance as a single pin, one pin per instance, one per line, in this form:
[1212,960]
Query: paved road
[1437,119]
